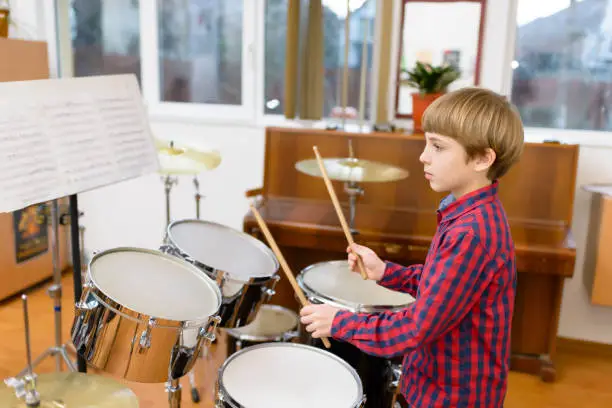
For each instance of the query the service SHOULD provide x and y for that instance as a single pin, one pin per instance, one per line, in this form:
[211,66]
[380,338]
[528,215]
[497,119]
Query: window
[200,51]
[105,37]
[361,29]
[562,69]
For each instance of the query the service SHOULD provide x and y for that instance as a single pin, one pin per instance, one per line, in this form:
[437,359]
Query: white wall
[132,213]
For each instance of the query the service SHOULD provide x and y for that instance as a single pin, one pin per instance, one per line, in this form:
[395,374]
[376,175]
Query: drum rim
[94,289]
[233,332]
[249,238]
[229,399]
[352,306]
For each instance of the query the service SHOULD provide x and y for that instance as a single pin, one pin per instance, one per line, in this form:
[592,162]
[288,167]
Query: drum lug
[288,336]
[145,337]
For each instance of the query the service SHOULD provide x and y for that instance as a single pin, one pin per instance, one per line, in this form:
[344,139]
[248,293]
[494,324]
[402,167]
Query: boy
[455,337]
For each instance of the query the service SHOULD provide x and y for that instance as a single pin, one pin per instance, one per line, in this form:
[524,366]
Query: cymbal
[67,389]
[175,158]
[352,169]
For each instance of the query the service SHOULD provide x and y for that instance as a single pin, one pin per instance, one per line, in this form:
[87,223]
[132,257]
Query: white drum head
[223,248]
[281,375]
[336,281]
[271,321]
[155,284]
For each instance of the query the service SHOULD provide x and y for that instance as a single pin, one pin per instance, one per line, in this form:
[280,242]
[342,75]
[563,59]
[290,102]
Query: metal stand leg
[353,190]
[169,182]
[198,196]
[55,292]
[173,388]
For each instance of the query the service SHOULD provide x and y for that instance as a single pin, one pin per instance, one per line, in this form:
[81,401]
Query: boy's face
[447,168]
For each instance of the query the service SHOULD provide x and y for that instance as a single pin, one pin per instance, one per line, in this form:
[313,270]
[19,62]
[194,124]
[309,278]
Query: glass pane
[201,51]
[361,22]
[562,70]
[105,37]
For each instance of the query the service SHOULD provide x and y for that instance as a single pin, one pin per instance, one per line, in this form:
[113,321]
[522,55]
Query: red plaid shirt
[455,337]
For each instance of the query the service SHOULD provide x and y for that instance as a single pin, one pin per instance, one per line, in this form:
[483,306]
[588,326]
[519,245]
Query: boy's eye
[437,146]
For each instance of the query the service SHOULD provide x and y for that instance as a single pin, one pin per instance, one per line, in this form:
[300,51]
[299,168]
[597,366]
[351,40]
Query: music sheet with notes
[60,137]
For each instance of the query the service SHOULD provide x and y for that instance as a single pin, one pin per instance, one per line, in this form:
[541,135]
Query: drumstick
[285,266]
[334,199]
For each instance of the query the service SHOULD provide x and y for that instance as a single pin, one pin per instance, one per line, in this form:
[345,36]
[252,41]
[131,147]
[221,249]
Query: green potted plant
[431,82]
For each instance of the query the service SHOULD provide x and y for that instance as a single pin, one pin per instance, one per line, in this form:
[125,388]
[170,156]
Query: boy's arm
[458,277]
[402,278]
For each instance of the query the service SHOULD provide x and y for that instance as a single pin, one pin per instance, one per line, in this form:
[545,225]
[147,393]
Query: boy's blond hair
[479,119]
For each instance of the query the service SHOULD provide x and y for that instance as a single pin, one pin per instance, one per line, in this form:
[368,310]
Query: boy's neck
[473,186]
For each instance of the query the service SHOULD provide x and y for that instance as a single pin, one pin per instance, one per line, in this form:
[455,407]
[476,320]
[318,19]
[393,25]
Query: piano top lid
[603,189]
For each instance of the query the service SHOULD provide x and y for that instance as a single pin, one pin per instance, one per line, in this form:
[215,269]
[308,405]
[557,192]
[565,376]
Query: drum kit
[147,315]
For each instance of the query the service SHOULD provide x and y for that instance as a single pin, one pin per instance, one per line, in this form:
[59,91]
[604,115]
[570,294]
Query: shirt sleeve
[456,278]
[402,278]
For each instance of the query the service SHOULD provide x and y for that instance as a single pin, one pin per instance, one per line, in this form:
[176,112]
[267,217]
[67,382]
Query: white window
[361,29]
[194,58]
[562,68]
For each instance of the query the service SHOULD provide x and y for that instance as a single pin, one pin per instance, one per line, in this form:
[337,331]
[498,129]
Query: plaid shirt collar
[451,208]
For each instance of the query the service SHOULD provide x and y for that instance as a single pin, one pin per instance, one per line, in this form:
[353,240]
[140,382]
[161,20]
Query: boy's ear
[484,161]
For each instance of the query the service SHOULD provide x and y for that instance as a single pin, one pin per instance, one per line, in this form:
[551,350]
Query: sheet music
[65,136]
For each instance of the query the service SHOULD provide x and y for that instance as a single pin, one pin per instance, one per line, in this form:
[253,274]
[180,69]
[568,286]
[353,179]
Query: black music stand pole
[76,264]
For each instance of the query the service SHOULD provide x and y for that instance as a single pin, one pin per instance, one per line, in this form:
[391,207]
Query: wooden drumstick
[334,199]
[284,265]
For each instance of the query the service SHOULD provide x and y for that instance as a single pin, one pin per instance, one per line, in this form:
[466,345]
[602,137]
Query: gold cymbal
[67,390]
[175,158]
[352,169]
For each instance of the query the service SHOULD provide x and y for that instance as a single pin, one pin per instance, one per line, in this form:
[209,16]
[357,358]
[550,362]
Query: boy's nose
[423,158]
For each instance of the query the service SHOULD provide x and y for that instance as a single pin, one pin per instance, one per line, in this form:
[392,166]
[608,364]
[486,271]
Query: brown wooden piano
[398,220]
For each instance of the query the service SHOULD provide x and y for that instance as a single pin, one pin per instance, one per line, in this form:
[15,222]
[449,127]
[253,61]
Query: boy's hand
[318,319]
[374,266]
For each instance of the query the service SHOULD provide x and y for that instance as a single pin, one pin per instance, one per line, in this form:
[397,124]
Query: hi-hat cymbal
[175,158]
[67,390]
[352,169]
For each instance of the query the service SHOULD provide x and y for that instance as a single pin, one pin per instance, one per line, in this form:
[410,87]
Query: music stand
[61,137]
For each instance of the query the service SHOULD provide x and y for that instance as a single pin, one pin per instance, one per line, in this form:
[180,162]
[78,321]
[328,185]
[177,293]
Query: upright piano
[398,220]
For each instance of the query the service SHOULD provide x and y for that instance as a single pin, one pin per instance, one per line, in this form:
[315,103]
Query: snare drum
[281,375]
[244,267]
[335,284]
[273,323]
[144,315]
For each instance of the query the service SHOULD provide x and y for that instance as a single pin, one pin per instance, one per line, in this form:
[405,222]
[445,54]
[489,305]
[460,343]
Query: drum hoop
[228,398]
[125,311]
[278,337]
[249,238]
[354,307]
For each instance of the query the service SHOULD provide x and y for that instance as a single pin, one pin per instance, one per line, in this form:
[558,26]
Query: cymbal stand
[354,191]
[25,385]
[169,182]
[198,196]
[55,292]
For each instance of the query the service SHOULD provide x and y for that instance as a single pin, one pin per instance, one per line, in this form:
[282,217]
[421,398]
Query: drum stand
[173,388]
[55,292]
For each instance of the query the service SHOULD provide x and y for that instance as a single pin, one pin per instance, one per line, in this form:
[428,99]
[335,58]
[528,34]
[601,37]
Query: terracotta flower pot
[4,23]
[420,102]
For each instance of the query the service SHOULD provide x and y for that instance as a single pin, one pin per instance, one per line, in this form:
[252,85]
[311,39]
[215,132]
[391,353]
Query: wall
[132,213]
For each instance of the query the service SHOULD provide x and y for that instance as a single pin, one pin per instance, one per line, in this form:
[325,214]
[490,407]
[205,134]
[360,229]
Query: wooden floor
[584,378]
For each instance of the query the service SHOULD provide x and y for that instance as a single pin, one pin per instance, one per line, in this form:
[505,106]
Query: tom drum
[144,315]
[244,267]
[273,323]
